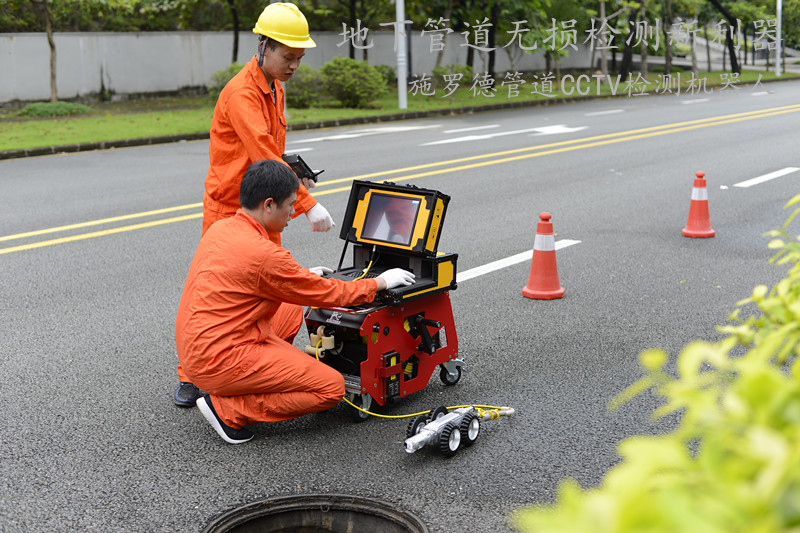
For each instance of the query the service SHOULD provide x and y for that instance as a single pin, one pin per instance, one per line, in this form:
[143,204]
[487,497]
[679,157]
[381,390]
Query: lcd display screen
[391,219]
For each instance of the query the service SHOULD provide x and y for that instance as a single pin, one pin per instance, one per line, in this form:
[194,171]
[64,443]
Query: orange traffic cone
[543,280]
[699,226]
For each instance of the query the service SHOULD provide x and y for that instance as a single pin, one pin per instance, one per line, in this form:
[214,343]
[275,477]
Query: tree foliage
[733,463]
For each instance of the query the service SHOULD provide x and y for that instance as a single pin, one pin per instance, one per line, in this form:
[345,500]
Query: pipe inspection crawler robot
[389,348]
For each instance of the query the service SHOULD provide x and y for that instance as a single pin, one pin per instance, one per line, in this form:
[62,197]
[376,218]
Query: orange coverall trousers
[282,382]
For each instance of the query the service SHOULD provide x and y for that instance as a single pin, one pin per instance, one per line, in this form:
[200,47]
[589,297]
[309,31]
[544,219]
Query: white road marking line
[542,130]
[508,261]
[599,113]
[490,126]
[560,128]
[295,150]
[695,101]
[353,134]
[766,177]
[761,93]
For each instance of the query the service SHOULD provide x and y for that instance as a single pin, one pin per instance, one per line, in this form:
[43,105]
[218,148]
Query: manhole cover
[317,513]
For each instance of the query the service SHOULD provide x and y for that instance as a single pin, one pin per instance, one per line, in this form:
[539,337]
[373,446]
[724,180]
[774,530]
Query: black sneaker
[186,394]
[228,434]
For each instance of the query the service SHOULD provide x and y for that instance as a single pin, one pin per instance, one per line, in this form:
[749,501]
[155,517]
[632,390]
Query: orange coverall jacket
[229,344]
[246,127]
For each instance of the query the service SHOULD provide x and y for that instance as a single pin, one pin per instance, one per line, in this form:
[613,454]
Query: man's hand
[307,183]
[396,277]
[319,218]
[321,271]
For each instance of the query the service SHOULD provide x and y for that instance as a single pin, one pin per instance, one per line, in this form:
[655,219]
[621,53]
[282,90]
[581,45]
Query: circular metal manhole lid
[317,513]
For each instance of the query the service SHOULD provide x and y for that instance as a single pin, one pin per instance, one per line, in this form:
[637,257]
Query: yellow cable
[492,410]
[365,271]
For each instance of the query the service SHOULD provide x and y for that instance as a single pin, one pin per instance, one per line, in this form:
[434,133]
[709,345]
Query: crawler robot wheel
[415,425]
[449,440]
[448,378]
[437,412]
[470,428]
[364,401]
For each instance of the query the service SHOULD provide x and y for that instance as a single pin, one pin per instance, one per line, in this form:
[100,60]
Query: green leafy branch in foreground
[733,463]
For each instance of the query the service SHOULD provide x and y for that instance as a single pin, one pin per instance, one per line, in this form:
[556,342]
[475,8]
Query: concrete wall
[125,63]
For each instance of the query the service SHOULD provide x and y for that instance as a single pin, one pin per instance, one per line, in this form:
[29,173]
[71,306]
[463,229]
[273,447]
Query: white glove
[321,271]
[320,218]
[396,277]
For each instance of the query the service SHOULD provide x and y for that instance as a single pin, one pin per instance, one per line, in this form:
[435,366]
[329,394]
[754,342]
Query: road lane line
[474,128]
[382,173]
[507,262]
[766,177]
[101,233]
[565,149]
[539,150]
[483,137]
[601,113]
[100,221]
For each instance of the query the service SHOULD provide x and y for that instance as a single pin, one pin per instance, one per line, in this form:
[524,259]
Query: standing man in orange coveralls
[240,311]
[249,125]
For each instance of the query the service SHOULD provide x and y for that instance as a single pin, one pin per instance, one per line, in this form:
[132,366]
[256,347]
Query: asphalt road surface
[94,250]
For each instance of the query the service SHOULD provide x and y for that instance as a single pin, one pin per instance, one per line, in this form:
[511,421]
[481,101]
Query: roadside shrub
[439,73]
[221,78]
[305,86]
[353,83]
[733,463]
[54,109]
[389,76]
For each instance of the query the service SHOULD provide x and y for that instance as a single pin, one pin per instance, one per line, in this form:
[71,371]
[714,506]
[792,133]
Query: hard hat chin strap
[262,46]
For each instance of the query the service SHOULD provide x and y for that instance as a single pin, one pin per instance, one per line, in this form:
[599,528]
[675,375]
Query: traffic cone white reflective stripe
[543,281]
[699,225]
[700,193]
[544,243]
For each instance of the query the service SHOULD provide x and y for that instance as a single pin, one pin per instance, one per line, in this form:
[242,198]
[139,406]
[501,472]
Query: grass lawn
[132,119]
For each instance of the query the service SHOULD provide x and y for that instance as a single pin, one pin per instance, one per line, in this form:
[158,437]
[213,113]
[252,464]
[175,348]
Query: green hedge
[353,83]
[305,87]
[54,109]
[221,78]
[733,463]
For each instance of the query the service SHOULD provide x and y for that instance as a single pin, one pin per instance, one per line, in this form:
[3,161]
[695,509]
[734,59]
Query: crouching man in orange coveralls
[241,308]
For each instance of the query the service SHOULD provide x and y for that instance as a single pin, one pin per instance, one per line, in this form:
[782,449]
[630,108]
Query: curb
[310,125]
[300,126]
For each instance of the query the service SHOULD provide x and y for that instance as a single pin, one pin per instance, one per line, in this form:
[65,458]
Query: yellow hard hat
[286,24]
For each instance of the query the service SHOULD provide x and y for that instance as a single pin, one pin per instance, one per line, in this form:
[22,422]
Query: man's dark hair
[263,42]
[267,179]
[269,41]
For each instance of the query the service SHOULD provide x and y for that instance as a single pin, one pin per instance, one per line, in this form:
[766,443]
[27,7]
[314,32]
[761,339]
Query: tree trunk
[708,47]
[494,15]
[744,49]
[627,54]
[440,54]
[643,66]
[52,44]
[668,48]
[352,27]
[558,70]
[729,41]
[603,60]
[235,16]
[47,15]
